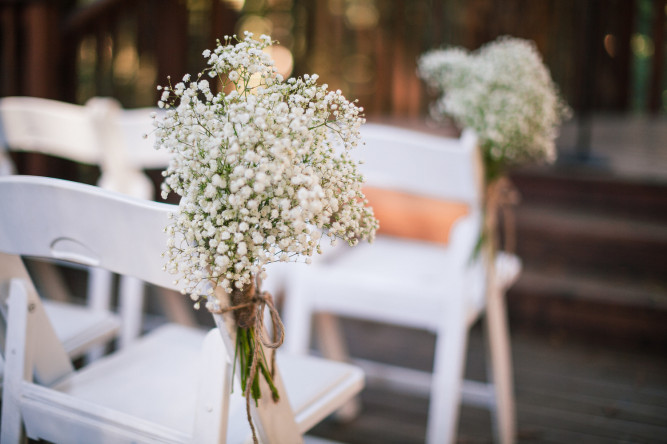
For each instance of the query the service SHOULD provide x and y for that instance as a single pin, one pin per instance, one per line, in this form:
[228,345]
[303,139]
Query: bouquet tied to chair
[506,94]
[263,168]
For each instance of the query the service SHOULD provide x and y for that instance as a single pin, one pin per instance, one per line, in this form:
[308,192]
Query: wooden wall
[606,55]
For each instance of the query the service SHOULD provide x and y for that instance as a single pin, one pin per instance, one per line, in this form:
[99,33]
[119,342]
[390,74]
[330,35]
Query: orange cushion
[412,216]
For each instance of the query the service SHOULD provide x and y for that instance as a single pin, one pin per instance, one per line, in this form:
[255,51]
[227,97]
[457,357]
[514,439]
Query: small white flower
[256,171]
[504,92]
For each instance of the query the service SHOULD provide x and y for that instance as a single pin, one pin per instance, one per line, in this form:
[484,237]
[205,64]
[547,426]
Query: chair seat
[133,381]
[316,387]
[79,328]
[380,270]
[168,357]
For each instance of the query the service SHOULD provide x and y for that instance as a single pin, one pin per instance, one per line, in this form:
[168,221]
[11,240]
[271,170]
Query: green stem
[245,349]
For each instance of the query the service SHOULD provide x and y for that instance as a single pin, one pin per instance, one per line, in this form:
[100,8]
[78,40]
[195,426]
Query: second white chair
[434,282]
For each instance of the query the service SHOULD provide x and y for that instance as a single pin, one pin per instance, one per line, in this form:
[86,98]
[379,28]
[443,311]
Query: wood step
[607,309]
[560,238]
[595,290]
[593,190]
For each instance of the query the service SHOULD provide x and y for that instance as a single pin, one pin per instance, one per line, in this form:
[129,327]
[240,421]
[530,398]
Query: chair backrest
[64,220]
[420,163]
[55,219]
[99,133]
[49,127]
[52,218]
[136,123]
[421,185]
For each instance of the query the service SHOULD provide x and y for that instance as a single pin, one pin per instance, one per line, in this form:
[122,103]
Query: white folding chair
[171,385]
[104,134]
[127,145]
[415,282]
[67,131]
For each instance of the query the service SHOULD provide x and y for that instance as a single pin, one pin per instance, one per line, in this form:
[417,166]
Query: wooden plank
[548,417]
[567,390]
[633,410]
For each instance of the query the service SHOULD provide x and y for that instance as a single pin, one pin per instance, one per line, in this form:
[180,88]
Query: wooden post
[9,74]
[171,50]
[39,70]
[655,90]
[42,50]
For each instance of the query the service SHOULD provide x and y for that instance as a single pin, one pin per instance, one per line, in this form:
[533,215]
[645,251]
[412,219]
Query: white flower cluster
[262,168]
[504,92]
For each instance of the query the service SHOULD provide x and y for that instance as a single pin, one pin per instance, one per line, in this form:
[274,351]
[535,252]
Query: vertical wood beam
[171,50]
[655,88]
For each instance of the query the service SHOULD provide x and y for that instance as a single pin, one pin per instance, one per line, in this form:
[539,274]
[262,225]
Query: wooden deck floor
[568,391]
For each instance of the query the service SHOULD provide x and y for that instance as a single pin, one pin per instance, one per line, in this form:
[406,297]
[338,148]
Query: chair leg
[177,307]
[330,338]
[51,280]
[131,295]
[99,299]
[215,382]
[16,368]
[332,344]
[99,289]
[500,360]
[297,318]
[448,369]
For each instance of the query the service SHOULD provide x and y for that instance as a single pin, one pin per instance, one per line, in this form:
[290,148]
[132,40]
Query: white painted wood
[499,358]
[448,367]
[50,127]
[68,131]
[51,362]
[213,392]
[162,386]
[99,287]
[412,381]
[100,133]
[131,309]
[135,124]
[6,165]
[120,175]
[126,153]
[413,283]
[274,421]
[16,369]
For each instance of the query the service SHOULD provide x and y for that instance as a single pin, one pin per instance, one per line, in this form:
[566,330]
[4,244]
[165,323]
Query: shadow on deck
[567,391]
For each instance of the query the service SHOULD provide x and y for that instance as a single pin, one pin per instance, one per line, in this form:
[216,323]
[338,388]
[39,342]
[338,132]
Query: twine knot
[248,305]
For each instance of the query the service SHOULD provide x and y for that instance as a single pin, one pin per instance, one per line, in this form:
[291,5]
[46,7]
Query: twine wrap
[501,197]
[248,304]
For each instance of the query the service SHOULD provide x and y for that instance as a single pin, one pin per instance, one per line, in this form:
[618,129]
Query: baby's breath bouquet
[505,93]
[262,168]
